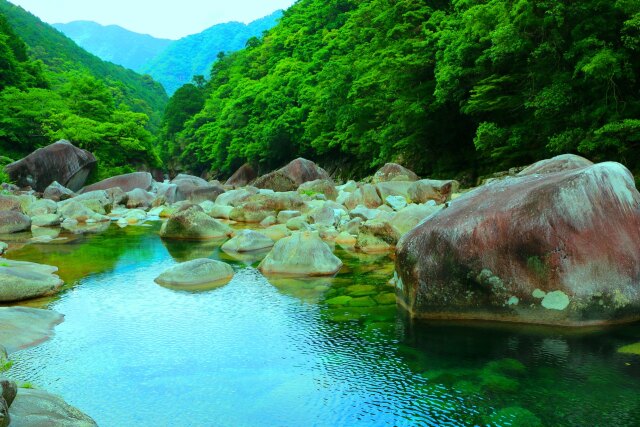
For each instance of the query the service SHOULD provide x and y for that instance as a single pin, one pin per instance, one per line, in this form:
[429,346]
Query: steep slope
[444,87]
[61,54]
[114,43]
[193,55]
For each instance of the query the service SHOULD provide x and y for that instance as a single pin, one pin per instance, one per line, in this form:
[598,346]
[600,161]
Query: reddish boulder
[60,161]
[127,182]
[243,176]
[13,221]
[561,248]
[563,162]
[394,172]
[302,170]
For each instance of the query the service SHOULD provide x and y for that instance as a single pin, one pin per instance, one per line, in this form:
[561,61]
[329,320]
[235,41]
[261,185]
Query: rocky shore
[557,243]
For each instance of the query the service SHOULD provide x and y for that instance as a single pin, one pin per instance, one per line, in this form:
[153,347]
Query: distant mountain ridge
[172,63]
[109,42]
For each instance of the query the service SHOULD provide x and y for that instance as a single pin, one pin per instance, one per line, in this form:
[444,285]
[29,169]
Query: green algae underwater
[313,351]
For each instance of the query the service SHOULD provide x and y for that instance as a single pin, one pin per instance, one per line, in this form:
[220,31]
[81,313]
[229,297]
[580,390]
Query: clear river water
[301,352]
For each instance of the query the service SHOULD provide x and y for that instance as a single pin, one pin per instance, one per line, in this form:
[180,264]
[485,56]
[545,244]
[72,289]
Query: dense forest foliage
[51,89]
[445,87]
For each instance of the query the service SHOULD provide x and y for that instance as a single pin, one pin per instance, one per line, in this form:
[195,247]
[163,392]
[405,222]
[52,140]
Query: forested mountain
[444,86]
[193,55]
[114,43]
[52,89]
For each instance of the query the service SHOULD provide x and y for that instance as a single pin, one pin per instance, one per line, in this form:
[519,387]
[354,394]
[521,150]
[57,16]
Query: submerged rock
[37,408]
[191,223]
[60,161]
[197,272]
[21,280]
[301,254]
[23,327]
[247,241]
[560,248]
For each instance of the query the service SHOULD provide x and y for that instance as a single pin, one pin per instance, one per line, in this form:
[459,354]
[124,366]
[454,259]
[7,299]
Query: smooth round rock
[197,272]
[247,241]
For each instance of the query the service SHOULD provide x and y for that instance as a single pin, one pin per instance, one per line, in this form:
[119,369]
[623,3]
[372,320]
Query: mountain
[113,43]
[193,55]
[61,54]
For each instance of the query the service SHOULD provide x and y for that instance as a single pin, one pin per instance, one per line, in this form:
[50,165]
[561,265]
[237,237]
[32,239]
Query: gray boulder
[196,272]
[57,192]
[190,222]
[247,241]
[301,254]
[24,280]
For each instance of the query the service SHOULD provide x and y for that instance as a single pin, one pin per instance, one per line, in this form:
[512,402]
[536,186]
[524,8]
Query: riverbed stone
[24,327]
[319,186]
[439,191]
[243,176]
[396,202]
[220,211]
[191,223]
[139,198]
[394,172]
[10,202]
[196,272]
[48,220]
[301,254]
[407,218]
[37,408]
[24,280]
[126,182]
[13,222]
[57,192]
[572,237]
[42,207]
[247,241]
[276,232]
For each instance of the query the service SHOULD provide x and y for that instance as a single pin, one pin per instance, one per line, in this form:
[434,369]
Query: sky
[160,18]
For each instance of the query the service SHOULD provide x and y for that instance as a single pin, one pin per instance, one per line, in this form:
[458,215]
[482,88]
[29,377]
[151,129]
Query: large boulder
[126,182]
[290,177]
[243,176]
[190,222]
[196,272]
[303,170]
[10,203]
[13,221]
[301,254]
[561,248]
[23,327]
[37,408]
[563,162]
[186,185]
[60,161]
[25,280]
[319,186]
[247,241]
[439,191]
[394,172]
[276,181]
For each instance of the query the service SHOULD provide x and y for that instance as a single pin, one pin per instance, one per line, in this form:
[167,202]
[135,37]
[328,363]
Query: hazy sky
[160,18]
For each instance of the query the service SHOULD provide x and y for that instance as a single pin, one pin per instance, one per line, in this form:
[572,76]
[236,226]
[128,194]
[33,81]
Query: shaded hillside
[193,55]
[114,43]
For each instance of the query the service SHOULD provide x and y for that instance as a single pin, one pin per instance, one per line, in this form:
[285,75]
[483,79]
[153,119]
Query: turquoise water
[320,352]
